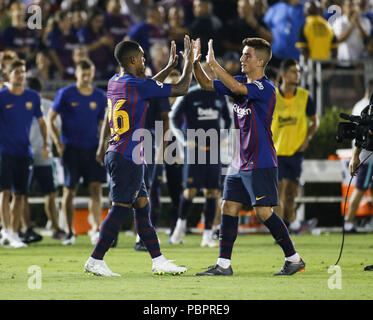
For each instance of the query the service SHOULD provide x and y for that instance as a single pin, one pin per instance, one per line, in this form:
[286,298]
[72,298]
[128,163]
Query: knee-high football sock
[209,212]
[184,207]
[280,233]
[228,235]
[109,230]
[146,231]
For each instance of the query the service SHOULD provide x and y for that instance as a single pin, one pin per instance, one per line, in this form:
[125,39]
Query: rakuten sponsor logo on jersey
[241,112]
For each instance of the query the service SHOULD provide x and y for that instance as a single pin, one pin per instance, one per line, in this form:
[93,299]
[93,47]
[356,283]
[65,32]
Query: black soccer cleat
[290,268]
[368,268]
[140,246]
[216,270]
[30,236]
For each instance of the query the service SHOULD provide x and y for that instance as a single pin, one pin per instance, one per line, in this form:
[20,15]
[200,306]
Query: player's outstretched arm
[181,87]
[231,83]
[202,78]
[172,63]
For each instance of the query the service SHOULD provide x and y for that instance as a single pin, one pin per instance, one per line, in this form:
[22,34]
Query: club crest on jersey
[8,106]
[93,105]
[258,84]
[74,104]
[159,83]
[241,112]
[29,105]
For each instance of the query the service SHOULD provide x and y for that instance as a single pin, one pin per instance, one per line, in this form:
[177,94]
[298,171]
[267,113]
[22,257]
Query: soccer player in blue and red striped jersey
[128,94]
[252,177]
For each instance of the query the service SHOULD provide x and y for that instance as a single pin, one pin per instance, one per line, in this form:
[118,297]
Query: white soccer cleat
[4,240]
[15,241]
[99,268]
[94,237]
[177,236]
[208,242]
[167,267]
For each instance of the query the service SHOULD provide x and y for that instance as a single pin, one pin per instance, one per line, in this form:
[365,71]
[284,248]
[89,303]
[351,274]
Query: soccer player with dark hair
[81,108]
[128,94]
[294,123]
[252,177]
[18,107]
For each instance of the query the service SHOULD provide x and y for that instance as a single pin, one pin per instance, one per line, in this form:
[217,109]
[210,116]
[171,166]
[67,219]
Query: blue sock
[184,207]
[280,233]
[109,230]
[146,231]
[228,235]
[209,210]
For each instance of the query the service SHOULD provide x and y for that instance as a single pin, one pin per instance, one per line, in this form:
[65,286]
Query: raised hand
[210,58]
[174,58]
[188,49]
[196,50]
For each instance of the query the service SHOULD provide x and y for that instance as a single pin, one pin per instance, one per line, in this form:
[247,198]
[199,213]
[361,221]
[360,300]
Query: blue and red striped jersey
[128,102]
[253,117]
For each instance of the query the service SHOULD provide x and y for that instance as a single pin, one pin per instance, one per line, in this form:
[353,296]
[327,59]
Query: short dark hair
[15,64]
[84,64]
[287,63]
[34,84]
[260,45]
[125,49]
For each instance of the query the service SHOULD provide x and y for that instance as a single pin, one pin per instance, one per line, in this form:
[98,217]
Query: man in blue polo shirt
[82,110]
[18,107]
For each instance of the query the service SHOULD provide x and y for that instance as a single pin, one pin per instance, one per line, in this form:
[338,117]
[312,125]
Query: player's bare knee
[140,202]
[189,193]
[263,213]
[212,193]
[229,208]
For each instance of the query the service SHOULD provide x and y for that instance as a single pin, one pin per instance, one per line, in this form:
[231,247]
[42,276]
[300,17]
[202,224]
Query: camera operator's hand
[354,162]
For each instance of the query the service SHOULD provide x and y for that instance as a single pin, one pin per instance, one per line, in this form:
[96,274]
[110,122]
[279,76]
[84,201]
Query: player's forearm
[203,80]
[230,82]
[104,133]
[43,131]
[182,86]
[313,126]
[163,74]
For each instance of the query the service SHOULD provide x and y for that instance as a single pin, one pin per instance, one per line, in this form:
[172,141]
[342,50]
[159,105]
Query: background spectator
[351,30]
[79,20]
[18,37]
[99,43]
[117,23]
[5,19]
[316,39]
[176,26]
[249,23]
[61,42]
[206,26]
[150,31]
[285,20]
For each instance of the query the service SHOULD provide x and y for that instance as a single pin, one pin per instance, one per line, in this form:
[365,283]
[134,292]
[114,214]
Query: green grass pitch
[255,258]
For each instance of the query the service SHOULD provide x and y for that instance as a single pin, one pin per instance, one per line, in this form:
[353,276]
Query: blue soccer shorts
[79,162]
[14,173]
[290,167]
[257,187]
[43,178]
[126,178]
